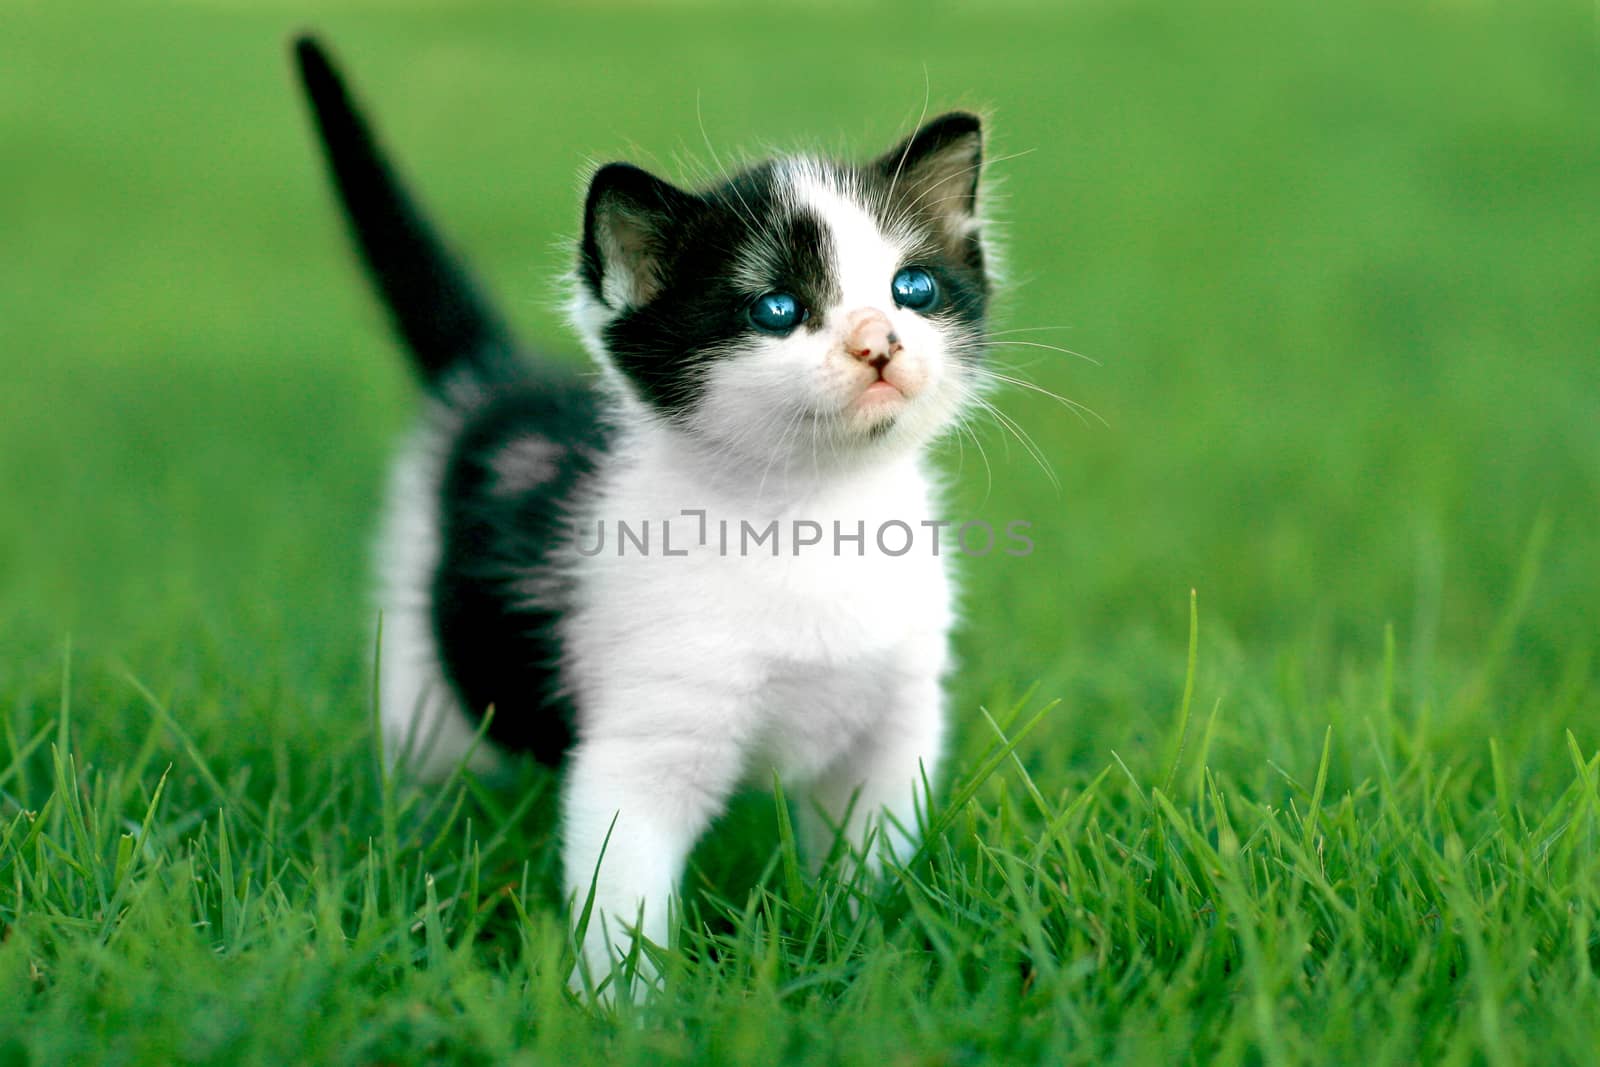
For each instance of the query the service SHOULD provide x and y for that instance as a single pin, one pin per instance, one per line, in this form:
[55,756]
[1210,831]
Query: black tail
[435,306]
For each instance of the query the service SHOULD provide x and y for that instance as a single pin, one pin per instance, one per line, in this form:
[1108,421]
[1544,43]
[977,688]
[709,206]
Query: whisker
[780,450]
[1041,344]
[903,216]
[964,426]
[1017,368]
[927,93]
[1073,406]
[1022,436]
[1027,329]
[749,215]
[922,198]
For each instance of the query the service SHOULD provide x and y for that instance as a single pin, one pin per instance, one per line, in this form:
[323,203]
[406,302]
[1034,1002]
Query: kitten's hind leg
[425,732]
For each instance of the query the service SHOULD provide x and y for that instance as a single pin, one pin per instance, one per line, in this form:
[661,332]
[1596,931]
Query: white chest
[801,616]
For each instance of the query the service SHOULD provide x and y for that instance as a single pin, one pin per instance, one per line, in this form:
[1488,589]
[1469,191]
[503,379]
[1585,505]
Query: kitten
[779,348]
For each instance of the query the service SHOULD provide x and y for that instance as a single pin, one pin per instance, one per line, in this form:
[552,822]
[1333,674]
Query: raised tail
[438,310]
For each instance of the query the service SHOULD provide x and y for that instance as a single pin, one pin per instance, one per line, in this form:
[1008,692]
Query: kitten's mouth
[880,394]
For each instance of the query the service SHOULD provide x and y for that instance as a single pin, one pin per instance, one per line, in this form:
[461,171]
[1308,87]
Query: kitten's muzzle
[870,338]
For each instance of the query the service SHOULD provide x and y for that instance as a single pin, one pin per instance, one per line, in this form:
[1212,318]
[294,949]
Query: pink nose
[870,337]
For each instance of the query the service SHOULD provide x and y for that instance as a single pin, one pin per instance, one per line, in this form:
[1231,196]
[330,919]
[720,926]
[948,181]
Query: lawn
[1283,746]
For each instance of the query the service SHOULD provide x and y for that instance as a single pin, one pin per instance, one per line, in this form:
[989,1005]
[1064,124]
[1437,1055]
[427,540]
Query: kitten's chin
[875,408]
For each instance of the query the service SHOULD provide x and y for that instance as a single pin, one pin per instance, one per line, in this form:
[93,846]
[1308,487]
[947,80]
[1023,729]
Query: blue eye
[777,313]
[914,288]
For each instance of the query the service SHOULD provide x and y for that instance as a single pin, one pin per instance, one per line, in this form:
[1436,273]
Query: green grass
[1339,269]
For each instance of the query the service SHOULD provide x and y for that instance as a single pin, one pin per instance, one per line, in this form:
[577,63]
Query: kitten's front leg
[872,794]
[653,793]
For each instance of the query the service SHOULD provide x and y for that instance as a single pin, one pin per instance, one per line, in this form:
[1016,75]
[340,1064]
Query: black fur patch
[698,310]
[496,599]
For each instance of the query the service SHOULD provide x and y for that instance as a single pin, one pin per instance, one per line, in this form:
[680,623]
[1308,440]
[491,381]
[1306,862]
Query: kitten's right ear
[626,221]
[934,173]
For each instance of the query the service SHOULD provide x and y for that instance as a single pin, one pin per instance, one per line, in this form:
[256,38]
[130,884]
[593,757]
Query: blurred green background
[1337,264]
[1338,267]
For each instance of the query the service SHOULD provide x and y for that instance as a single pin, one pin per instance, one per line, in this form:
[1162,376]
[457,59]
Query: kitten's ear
[934,172]
[626,219]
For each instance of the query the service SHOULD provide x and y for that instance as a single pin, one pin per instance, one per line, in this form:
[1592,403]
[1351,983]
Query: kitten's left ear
[934,173]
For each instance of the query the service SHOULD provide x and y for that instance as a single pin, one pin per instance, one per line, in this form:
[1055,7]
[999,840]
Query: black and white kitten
[778,348]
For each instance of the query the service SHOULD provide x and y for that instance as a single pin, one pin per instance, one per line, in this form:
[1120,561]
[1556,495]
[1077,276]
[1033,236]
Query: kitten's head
[804,308]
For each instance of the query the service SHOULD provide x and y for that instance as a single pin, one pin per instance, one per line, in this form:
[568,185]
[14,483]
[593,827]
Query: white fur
[424,727]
